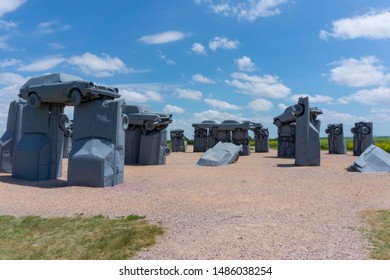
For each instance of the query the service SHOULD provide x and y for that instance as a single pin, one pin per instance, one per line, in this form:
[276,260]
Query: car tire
[150,125]
[64,122]
[75,96]
[67,133]
[33,100]
[125,122]
[167,151]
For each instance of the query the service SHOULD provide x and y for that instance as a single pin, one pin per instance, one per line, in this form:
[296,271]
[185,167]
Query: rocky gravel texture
[261,207]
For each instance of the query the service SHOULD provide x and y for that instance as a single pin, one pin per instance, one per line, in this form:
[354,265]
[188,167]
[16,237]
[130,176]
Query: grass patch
[74,238]
[381,142]
[379,233]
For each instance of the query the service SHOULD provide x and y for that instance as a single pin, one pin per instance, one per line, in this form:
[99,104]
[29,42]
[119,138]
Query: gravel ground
[261,207]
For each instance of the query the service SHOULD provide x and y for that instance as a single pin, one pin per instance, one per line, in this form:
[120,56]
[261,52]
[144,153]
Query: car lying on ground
[63,89]
[220,154]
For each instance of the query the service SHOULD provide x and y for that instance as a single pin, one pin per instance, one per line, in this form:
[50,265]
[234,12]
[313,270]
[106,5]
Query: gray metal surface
[208,133]
[220,154]
[307,142]
[153,148]
[132,144]
[298,133]
[261,139]
[362,137]
[12,135]
[200,139]
[286,133]
[286,140]
[97,155]
[177,140]
[64,89]
[373,159]
[67,126]
[38,154]
[149,120]
[336,142]
[203,137]
[146,136]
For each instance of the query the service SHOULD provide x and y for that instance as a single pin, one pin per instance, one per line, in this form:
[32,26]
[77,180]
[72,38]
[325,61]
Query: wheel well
[77,89]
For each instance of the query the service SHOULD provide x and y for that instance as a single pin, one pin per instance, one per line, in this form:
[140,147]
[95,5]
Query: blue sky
[209,59]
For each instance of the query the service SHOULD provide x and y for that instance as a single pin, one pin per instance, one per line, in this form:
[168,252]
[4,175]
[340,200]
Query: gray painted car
[63,89]
[220,154]
[150,120]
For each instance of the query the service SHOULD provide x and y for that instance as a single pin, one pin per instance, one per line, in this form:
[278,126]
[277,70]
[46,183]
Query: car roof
[52,78]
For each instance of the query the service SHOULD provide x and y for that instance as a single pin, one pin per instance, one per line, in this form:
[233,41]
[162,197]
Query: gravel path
[261,207]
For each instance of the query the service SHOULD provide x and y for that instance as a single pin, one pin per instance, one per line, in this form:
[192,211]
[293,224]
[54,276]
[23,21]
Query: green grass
[74,238]
[379,233]
[381,142]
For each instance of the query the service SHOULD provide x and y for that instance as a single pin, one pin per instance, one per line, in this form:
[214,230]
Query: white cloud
[267,86]
[313,99]
[282,106]
[9,63]
[366,71]
[202,79]
[221,104]
[4,44]
[248,10]
[104,66]
[153,95]
[137,97]
[217,116]
[381,110]
[198,48]
[378,96]
[50,27]
[8,6]
[165,58]
[12,83]
[373,25]
[133,96]
[245,64]
[42,65]
[223,9]
[260,105]
[331,116]
[148,87]
[7,78]
[260,8]
[7,25]
[162,38]
[188,94]
[171,109]
[223,43]
[56,46]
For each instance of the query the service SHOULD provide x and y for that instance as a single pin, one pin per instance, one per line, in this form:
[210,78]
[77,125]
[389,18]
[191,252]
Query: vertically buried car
[63,89]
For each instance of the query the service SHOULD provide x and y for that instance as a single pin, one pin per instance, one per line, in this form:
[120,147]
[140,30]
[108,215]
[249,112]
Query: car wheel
[68,132]
[125,122]
[75,96]
[167,151]
[33,100]
[149,126]
[64,122]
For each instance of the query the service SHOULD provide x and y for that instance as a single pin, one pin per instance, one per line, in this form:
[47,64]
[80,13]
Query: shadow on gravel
[270,157]
[48,184]
[286,165]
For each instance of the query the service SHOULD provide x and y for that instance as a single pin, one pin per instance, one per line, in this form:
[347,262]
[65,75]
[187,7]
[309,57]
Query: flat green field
[381,142]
